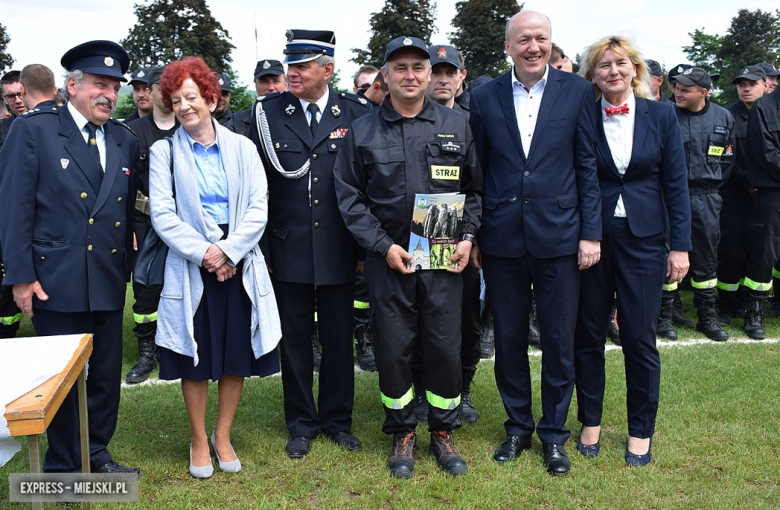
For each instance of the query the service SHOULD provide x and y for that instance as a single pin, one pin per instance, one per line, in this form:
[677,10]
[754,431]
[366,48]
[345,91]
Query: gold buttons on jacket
[89,247]
[316,224]
[113,251]
[316,202]
[315,180]
[83,195]
[91,221]
[119,199]
[117,224]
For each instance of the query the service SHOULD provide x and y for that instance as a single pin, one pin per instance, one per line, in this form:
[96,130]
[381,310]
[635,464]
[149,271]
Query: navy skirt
[222,334]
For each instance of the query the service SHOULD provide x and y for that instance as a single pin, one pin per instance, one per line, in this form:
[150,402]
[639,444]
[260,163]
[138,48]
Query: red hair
[195,69]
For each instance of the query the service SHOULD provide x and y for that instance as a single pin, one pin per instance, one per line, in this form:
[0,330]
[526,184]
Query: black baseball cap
[769,69]
[400,43]
[224,83]
[479,80]
[654,68]
[105,58]
[155,74]
[714,77]
[695,76]
[753,73]
[140,75]
[266,67]
[678,69]
[443,54]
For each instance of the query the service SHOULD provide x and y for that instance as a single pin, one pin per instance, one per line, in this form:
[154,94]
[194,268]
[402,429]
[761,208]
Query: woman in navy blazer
[643,181]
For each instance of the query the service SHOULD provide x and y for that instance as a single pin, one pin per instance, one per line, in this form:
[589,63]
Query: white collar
[539,83]
[78,118]
[321,103]
[630,102]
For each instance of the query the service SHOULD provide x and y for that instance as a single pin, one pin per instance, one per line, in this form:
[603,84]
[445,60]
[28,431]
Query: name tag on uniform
[449,173]
[715,151]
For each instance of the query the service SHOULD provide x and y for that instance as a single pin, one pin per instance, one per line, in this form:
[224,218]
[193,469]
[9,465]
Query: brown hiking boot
[401,463]
[443,448]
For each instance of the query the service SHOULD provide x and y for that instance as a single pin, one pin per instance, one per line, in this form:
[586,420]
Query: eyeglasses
[12,97]
[364,87]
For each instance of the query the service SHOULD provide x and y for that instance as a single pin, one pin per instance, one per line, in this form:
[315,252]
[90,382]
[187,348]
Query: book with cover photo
[437,220]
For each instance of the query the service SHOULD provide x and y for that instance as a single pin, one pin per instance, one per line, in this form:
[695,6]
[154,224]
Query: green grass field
[716,445]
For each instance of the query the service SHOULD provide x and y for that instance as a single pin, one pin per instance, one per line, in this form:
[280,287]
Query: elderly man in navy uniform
[312,255]
[67,206]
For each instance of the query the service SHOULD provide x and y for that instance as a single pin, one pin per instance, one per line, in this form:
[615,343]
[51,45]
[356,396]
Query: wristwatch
[468,237]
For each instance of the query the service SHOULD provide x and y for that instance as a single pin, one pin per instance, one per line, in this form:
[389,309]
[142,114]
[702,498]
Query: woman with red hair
[217,318]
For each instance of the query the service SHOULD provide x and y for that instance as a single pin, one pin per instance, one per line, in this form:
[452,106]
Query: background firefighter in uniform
[388,156]
[709,142]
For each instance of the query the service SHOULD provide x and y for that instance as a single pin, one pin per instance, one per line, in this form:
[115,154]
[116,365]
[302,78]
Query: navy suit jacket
[656,175]
[546,203]
[61,226]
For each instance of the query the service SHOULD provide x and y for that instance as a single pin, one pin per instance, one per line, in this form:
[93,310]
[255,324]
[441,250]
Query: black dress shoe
[555,459]
[298,447]
[117,469]
[512,447]
[345,440]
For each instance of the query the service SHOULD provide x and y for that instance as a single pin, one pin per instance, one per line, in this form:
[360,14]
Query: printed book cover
[436,224]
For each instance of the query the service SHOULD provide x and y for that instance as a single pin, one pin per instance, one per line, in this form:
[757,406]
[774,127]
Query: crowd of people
[275,238]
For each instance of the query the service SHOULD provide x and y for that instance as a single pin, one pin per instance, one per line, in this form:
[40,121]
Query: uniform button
[43,258]
[315,180]
[89,247]
[83,195]
[117,224]
[316,224]
[91,221]
[313,156]
[113,251]
[526,200]
[119,199]
[526,173]
[316,202]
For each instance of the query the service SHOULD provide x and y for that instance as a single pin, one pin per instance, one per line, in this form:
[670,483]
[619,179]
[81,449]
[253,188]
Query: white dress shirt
[321,104]
[527,102]
[619,129]
[81,123]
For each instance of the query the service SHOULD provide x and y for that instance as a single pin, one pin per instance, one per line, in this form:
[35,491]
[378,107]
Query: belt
[142,203]
[702,191]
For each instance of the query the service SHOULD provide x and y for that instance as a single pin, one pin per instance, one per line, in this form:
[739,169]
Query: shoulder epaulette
[354,97]
[268,97]
[36,111]
[120,123]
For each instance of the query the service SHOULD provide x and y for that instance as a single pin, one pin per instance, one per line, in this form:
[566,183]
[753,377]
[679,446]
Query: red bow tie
[616,111]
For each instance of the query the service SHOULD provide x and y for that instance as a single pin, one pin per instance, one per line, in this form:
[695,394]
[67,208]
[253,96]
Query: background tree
[335,81]
[124,105]
[241,98]
[480,33]
[169,30]
[5,59]
[414,18]
[753,37]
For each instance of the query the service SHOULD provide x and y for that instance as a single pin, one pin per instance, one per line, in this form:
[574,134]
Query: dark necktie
[92,145]
[313,109]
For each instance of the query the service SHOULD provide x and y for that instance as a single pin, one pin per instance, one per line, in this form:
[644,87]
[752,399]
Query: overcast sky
[42,30]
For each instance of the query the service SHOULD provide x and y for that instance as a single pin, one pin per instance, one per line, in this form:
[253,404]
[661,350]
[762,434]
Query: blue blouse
[212,180]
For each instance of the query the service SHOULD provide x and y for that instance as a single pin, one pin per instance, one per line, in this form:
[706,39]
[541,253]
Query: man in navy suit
[533,129]
[66,189]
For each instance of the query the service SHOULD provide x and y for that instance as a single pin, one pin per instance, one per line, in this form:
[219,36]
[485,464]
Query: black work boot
[708,320]
[664,327]
[420,400]
[534,335]
[443,448]
[677,312]
[401,462]
[468,412]
[754,319]
[365,349]
[614,332]
[146,362]
[488,337]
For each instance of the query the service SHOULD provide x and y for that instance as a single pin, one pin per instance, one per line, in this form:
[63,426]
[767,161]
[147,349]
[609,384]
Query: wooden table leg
[84,428]
[34,448]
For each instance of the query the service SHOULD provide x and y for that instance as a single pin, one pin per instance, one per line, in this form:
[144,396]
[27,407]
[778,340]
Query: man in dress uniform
[222,113]
[389,156]
[67,208]
[142,97]
[736,195]
[161,122]
[312,255]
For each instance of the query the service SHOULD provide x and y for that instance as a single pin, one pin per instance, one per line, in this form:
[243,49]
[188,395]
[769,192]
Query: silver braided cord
[265,137]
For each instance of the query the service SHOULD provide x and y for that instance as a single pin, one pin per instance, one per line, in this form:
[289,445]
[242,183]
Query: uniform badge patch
[266,64]
[289,110]
[64,162]
[362,101]
[335,110]
[141,73]
[108,61]
[337,133]
[448,173]
[442,53]
[451,147]
[714,150]
[407,41]
[729,151]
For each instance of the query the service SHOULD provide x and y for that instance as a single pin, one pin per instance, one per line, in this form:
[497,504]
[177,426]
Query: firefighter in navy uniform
[68,207]
[736,195]
[709,141]
[311,254]
[388,156]
[763,228]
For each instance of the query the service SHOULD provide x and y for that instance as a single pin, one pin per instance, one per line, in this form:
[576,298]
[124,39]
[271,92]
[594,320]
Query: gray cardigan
[188,231]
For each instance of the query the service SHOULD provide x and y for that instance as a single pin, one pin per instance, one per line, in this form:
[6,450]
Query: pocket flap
[279,231]
[489,202]
[374,155]
[567,201]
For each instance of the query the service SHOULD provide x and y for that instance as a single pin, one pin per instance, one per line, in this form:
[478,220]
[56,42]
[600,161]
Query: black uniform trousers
[556,284]
[147,299]
[763,241]
[705,236]
[104,377]
[296,302]
[423,307]
[634,269]
[731,249]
